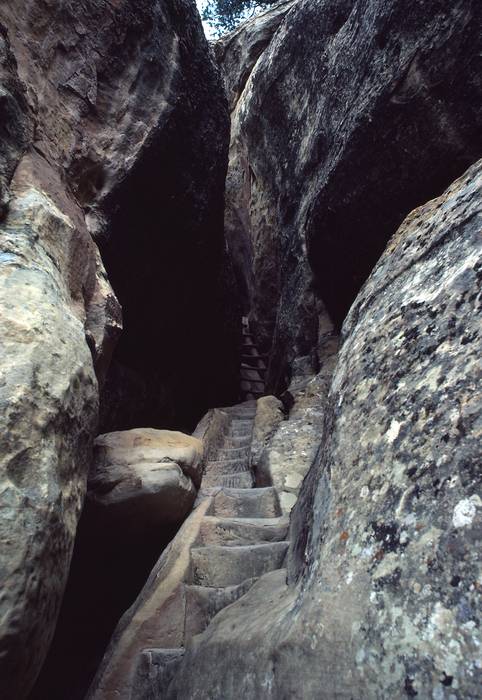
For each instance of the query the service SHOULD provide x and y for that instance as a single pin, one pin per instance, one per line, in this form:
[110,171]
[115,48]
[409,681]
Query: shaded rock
[155,669]
[291,448]
[381,600]
[239,50]
[354,114]
[284,447]
[130,107]
[156,617]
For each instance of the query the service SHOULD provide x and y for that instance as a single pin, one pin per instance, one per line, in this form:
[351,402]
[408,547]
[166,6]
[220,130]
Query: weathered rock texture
[384,566]
[113,125]
[166,257]
[355,113]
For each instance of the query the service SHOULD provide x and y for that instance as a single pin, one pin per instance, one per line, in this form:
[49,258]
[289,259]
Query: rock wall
[59,318]
[114,128]
[381,595]
[354,114]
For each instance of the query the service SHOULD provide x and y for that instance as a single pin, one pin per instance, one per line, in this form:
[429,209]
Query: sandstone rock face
[354,114]
[129,104]
[90,94]
[17,124]
[239,50]
[384,563]
[145,477]
[49,401]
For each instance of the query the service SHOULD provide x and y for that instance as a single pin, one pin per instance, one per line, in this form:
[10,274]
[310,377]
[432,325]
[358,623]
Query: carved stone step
[217,566]
[232,441]
[154,671]
[236,480]
[255,384]
[202,604]
[231,453]
[241,432]
[246,503]
[244,413]
[241,531]
[241,422]
[250,373]
[227,466]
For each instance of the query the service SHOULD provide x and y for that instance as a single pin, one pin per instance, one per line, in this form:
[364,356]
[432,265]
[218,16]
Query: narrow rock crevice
[165,255]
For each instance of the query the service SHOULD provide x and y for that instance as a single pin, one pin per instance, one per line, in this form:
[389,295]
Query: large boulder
[354,114]
[144,478]
[93,96]
[384,568]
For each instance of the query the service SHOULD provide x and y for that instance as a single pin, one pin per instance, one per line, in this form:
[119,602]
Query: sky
[208,31]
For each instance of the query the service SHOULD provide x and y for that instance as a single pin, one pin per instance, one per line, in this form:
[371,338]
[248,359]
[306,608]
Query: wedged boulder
[382,593]
[354,114]
[145,477]
[269,415]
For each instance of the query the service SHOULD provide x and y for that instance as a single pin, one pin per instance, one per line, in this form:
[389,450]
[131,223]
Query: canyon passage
[240,351]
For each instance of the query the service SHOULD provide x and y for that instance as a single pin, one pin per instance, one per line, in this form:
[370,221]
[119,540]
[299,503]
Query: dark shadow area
[165,258]
[109,568]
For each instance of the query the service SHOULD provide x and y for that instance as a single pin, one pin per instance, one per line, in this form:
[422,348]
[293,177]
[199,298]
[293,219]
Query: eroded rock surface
[354,114]
[384,565]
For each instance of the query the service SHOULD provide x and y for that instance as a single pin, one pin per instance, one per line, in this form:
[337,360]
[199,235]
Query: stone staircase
[241,536]
[253,367]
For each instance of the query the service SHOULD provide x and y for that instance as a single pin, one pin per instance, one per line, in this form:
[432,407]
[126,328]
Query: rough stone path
[241,537]
[253,367]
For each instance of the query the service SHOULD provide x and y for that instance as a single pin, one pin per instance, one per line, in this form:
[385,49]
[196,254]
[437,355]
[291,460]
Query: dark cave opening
[110,565]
